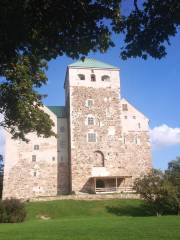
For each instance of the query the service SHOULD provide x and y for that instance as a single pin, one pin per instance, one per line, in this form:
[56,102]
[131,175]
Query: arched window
[81,76]
[98,159]
[105,78]
[93,77]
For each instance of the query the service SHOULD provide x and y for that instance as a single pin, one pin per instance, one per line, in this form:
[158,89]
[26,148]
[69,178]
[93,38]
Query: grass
[92,220]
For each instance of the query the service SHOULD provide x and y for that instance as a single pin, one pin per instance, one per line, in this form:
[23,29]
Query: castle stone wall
[25,177]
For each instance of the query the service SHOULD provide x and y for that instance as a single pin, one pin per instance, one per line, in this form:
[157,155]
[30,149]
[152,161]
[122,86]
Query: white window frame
[92,137]
[89,101]
[91,121]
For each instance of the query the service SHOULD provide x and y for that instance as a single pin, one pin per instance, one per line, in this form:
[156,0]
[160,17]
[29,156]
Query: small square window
[91,137]
[53,158]
[134,117]
[125,117]
[33,158]
[124,107]
[90,121]
[36,147]
[62,144]
[62,129]
[89,102]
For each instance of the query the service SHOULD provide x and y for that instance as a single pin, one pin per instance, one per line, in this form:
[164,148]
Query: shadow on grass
[133,211]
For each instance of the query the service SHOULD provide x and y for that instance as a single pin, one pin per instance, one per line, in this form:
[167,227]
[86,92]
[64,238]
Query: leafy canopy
[161,190]
[34,32]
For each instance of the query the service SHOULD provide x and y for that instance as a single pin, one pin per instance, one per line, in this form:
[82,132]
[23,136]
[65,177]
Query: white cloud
[164,136]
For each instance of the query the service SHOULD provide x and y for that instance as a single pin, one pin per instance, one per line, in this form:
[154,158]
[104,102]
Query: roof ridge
[92,63]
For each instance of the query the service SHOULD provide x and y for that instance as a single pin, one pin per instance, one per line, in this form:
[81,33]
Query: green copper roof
[59,111]
[91,63]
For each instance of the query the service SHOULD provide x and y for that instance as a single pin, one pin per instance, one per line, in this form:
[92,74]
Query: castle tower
[103,153]
[93,89]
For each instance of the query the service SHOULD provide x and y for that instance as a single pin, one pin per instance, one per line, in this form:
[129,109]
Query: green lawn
[77,220]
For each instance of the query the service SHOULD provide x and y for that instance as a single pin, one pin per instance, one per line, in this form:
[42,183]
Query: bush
[12,211]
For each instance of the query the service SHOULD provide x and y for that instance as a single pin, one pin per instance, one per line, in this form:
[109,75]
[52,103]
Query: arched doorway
[98,159]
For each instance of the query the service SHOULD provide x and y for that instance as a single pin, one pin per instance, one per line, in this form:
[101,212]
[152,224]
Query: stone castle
[102,141]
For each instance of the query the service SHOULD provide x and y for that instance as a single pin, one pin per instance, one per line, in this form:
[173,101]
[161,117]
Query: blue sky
[153,86]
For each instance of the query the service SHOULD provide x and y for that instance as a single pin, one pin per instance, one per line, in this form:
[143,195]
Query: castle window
[91,137]
[124,139]
[36,147]
[93,77]
[62,144]
[53,158]
[34,174]
[124,107]
[125,117]
[81,76]
[62,129]
[137,140]
[134,117]
[139,125]
[90,121]
[33,158]
[89,102]
[105,78]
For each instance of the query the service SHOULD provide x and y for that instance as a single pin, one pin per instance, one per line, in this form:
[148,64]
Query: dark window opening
[105,78]
[81,76]
[93,77]
[100,183]
[124,107]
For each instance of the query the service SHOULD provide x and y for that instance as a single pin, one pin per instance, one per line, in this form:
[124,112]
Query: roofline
[96,68]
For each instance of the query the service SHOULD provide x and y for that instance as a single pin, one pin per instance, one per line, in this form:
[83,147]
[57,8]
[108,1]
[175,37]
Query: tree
[34,32]
[149,27]
[172,175]
[153,190]
[1,174]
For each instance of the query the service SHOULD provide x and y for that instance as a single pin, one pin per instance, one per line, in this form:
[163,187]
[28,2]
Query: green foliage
[34,32]
[161,190]
[149,26]
[12,211]
[172,175]
[153,190]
